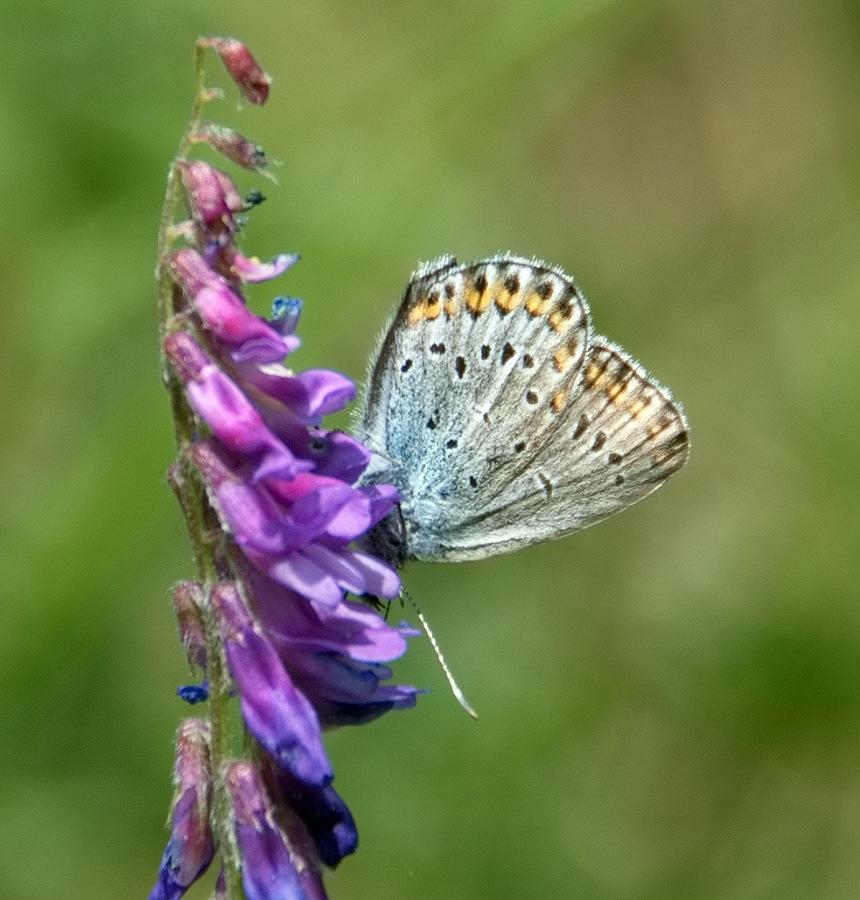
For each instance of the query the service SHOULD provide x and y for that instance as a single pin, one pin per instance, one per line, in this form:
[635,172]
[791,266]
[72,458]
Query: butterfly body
[503,420]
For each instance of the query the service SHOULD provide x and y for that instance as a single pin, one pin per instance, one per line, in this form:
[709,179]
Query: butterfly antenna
[455,688]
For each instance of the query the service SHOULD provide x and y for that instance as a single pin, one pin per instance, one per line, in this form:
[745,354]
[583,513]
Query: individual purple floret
[326,819]
[280,717]
[269,870]
[223,312]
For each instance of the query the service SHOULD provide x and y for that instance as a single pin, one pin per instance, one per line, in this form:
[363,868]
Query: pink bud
[251,80]
[212,196]
[188,603]
[232,145]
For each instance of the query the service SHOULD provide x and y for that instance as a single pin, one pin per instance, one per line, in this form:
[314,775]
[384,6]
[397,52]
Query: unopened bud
[190,848]
[212,197]
[232,144]
[251,80]
[188,600]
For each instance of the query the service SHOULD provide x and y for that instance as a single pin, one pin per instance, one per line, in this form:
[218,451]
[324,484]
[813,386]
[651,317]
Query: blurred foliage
[670,701]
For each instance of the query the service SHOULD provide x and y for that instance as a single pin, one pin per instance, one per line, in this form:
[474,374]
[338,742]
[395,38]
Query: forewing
[458,370]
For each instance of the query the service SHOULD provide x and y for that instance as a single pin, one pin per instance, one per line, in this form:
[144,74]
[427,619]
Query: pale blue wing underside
[502,419]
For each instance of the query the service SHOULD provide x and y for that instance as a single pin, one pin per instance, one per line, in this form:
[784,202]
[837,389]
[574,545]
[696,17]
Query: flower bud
[251,80]
[232,145]
[212,197]
[188,602]
[190,848]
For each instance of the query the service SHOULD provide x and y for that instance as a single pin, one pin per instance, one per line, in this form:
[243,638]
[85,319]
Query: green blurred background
[670,702]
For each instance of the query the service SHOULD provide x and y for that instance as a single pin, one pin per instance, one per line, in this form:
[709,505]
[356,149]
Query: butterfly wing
[502,420]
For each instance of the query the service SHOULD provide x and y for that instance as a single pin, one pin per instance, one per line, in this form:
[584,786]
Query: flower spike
[275,512]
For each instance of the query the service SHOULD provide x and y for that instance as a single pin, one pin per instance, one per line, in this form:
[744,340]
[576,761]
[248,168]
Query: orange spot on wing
[417,313]
[434,307]
[537,305]
[638,406]
[476,302]
[561,359]
[508,302]
[561,318]
[616,390]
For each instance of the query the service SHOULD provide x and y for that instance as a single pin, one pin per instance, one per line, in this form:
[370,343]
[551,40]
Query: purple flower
[280,717]
[234,420]
[297,531]
[325,818]
[268,869]
[222,311]
[272,598]
[250,269]
[305,397]
[190,848]
[334,654]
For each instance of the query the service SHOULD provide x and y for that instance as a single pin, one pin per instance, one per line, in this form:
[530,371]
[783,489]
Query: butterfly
[503,419]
